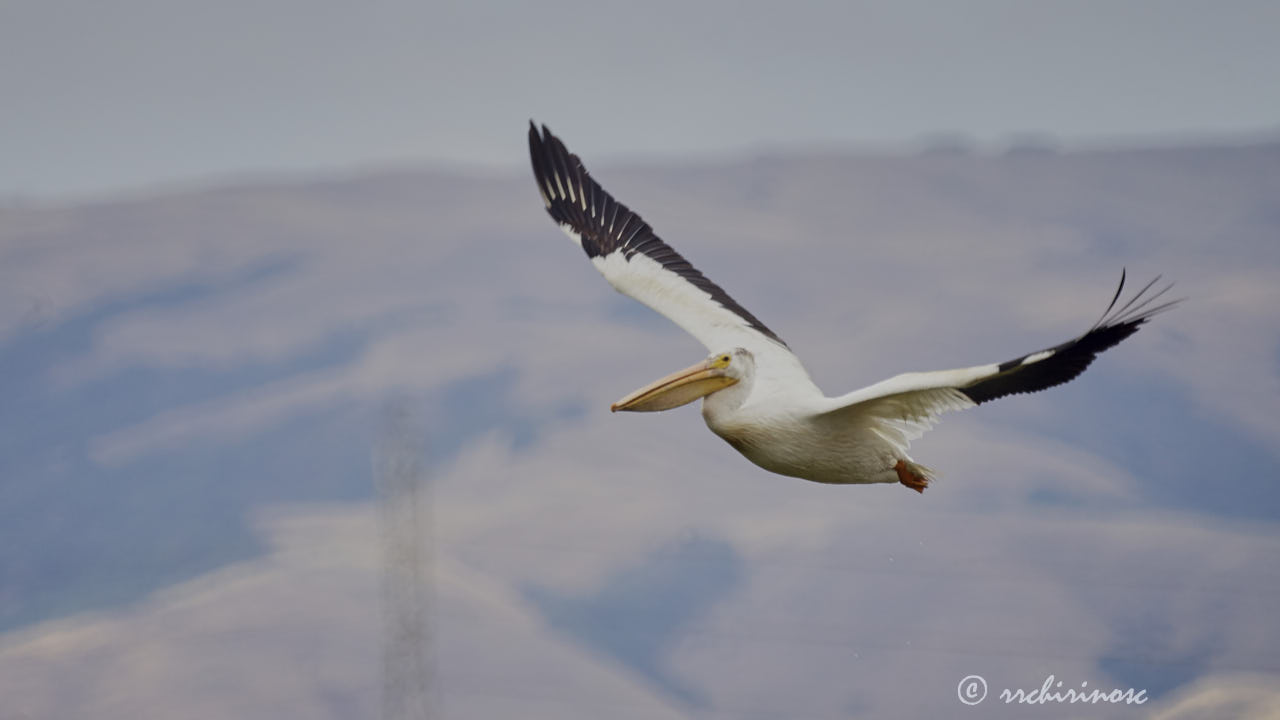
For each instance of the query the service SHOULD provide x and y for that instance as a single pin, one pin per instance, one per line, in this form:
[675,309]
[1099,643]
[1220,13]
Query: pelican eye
[723,360]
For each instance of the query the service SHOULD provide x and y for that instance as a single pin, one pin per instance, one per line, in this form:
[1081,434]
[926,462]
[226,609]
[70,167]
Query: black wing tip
[541,133]
[543,146]
[557,172]
[1138,309]
[1117,324]
[1067,361]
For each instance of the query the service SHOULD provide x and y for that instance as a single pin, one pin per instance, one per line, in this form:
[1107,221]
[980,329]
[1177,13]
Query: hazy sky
[175,371]
[101,97]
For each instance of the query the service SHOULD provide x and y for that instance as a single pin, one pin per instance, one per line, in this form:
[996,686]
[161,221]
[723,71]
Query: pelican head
[682,387]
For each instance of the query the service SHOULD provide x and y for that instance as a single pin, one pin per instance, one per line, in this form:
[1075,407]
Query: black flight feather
[1064,362]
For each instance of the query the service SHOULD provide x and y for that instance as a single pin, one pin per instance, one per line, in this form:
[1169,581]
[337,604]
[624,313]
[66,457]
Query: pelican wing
[634,260]
[904,406]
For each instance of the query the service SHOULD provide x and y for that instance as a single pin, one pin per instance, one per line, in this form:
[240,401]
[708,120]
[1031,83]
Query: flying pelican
[755,393]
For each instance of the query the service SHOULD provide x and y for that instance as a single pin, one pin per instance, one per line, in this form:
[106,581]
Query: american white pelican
[756,394]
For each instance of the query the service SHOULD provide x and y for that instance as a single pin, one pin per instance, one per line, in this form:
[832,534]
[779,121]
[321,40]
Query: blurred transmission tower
[403,516]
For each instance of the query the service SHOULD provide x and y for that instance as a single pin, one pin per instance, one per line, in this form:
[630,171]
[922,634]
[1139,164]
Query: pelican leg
[910,478]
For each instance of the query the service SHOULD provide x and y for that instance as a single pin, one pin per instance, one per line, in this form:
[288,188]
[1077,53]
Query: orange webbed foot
[910,478]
